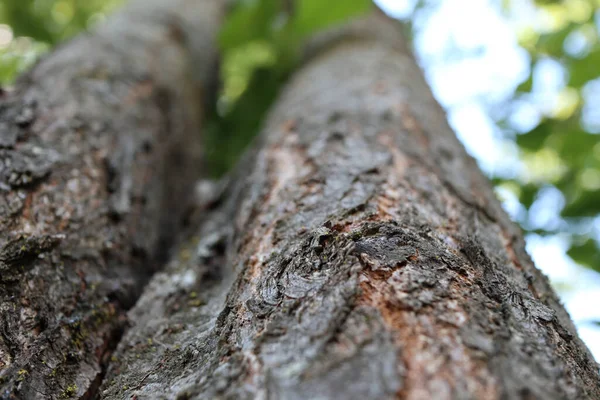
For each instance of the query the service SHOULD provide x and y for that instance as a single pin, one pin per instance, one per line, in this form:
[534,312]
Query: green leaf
[528,194]
[552,44]
[15,58]
[314,15]
[249,21]
[586,254]
[25,21]
[229,135]
[583,70]
[567,138]
[535,139]
[526,86]
[51,21]
[583,204]
[573,144]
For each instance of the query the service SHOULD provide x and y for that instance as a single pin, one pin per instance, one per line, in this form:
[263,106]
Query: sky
[488,68]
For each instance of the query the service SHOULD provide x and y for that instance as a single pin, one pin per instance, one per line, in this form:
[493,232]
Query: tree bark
[99,147]
[359,253]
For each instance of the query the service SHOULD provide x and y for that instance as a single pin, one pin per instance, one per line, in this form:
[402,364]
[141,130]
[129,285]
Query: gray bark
[359,253]
[99,146]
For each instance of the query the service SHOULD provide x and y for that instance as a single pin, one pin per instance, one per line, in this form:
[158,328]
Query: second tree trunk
[361,254]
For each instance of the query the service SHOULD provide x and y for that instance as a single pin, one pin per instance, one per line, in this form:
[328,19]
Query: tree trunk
[359,253]
[98,151]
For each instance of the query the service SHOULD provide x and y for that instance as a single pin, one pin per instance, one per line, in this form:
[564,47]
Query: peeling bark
[99,146]
[360,253]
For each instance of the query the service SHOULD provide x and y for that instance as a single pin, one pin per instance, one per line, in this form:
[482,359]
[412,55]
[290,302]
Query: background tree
[99,147]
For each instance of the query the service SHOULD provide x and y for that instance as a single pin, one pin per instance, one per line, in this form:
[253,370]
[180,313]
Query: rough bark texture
[360,254]
[98,150]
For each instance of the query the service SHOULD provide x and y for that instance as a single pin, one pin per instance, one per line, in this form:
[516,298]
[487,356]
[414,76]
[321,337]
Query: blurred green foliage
[51,21]
[565,34]
[261,44]
[36,25]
